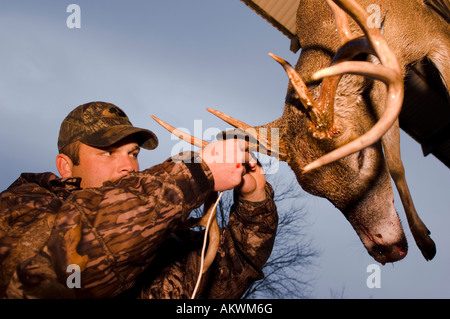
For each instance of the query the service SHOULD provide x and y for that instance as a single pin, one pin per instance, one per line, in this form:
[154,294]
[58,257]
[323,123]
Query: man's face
[98,165]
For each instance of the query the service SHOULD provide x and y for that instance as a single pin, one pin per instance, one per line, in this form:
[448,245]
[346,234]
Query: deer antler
[267,143]
[185,137]
[389,72]
[321,111]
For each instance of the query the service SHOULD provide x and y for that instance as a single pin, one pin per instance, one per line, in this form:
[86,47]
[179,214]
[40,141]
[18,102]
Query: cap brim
[107,137]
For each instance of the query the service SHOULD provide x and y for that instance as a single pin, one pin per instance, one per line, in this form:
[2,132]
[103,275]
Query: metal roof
[281,14]
[425,115]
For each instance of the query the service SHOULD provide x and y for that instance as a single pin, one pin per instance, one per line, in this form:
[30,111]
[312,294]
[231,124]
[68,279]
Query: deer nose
[389,253]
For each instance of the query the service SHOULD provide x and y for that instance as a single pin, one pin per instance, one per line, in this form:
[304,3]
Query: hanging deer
[339,132]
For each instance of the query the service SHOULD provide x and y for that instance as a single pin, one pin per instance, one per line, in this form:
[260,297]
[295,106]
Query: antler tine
[389,73]
[229,119]
[321,111]
[350,44]
[184,136]
[251,131]
[379,72]
[238,124]
[297,82]
[343,27]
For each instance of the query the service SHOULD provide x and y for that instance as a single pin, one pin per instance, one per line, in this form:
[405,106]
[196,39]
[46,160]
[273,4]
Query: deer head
[338,121]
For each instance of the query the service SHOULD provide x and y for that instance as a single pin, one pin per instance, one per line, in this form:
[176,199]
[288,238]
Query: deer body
[359,184]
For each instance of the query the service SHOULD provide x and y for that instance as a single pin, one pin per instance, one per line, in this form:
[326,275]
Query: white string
[204,247]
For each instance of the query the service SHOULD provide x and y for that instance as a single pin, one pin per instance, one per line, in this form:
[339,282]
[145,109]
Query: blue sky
[173,59]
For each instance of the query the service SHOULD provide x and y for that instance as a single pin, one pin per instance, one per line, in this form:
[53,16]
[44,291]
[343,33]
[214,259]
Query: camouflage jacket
[125,238]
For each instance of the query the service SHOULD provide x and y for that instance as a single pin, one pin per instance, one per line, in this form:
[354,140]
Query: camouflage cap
[101,124]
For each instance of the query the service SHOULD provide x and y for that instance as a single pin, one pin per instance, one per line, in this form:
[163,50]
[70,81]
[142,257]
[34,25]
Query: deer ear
[64,165]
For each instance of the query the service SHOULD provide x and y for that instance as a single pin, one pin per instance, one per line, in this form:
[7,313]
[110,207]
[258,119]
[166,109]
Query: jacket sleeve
[111,233]
[245,245]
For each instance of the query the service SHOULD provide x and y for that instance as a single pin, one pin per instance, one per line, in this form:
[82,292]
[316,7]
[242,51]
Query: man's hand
[253,184]
[228,161]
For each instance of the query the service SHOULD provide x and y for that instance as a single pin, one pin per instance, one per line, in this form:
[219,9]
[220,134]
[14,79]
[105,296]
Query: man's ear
[64,165]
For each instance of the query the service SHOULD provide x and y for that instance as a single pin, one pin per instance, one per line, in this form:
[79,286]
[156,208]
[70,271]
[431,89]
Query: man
[123,230]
